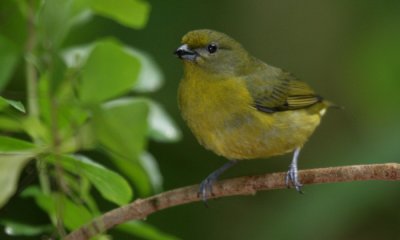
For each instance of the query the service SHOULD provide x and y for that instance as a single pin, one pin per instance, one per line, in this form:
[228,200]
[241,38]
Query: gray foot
[292,178]
[205,189]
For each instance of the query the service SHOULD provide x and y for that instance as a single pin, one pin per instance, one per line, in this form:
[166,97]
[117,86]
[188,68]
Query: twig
[248,185]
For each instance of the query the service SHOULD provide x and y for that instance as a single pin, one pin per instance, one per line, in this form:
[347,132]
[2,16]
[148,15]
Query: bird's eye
[212,48]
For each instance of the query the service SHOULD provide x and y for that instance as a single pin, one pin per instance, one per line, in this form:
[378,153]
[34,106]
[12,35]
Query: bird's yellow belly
[253,135]
[264,135]
[226,122]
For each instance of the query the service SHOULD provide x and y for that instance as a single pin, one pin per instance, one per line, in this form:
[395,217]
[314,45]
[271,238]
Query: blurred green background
[348,51]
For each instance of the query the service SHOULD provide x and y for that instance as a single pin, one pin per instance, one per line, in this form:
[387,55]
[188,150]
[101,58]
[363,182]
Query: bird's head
[213,51]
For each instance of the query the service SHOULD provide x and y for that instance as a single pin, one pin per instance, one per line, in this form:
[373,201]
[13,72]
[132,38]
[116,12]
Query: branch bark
[248,185]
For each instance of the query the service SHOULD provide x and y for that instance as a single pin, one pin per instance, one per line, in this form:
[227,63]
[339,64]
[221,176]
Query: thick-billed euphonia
[240,107]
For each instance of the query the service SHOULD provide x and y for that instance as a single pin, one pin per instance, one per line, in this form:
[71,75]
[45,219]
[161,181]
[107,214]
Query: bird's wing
[280,92]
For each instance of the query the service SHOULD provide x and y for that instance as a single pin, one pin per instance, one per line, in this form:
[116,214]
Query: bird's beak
[185,53]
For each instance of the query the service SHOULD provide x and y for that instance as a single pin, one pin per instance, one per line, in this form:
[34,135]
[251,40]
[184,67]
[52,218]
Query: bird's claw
[293,179]
[205,189]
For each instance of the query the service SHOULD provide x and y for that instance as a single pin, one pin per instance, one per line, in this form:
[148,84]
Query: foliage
[80,100]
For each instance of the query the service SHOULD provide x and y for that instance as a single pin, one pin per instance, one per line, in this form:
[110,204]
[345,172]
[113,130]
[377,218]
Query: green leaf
[11,165]
[102,237]
[111,186]
[10,123]
[14,154]
[80,12]
[56,74]
[110,70]
[142,171]
[8,60]
[13,228]
[37,130]
[162,128]
[8,144]
[54,21]
[58,17]
[23,7]
[121,126]
[131,13]
[15,104]
[144,231]
[73,215]
[13,23]
[135,172]
[76,57]
[150,77]
[70,115]
[150,165]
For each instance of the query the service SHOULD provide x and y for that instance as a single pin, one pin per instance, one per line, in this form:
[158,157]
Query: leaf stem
[32,90]
[31,74]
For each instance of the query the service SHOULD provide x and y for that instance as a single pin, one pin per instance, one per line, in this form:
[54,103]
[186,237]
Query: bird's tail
[330,104]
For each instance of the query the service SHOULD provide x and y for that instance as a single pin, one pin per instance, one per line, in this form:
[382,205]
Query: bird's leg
[292,174]
[206,184]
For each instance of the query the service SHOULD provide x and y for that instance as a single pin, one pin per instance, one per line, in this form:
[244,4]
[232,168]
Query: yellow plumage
[220,112]
[238,106]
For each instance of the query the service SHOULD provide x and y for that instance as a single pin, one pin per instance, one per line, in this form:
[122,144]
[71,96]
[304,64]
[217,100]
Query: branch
[247,185]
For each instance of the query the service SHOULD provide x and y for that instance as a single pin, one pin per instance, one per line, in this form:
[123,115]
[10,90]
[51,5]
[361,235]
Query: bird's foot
[205,189]
[293,179]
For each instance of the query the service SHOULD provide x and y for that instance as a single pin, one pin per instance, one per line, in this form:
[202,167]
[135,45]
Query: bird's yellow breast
[219,111]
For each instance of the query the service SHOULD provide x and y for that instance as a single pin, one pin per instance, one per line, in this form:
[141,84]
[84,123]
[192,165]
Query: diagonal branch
[247,185]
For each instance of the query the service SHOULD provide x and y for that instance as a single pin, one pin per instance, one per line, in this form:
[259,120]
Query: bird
[242,108]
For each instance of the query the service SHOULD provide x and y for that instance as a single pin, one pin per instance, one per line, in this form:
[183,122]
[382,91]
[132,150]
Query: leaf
[70,115]
[73,215]
[121,126]
[8,60]
[131,13]
[10,123]
[135,172]
[82,187]
[15,104]
[150,77]
[162,128]
[142,171]
[23,7]
[36,129]
[76,57]
[8,144]
[110,70]
[14,154]
[56,74]
[102,237]
[13,228]
[54,21]
[11,165]
[80,12]
[150,165]
[58,17]
[13,23]
[111,185]
[144,231]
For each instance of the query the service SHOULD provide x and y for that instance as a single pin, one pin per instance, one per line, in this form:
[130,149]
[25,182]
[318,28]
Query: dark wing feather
[280,91]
